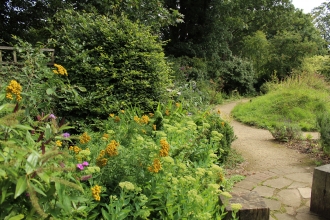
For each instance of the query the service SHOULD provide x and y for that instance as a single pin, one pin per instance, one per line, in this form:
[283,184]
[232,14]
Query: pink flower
[52,116]
[80,166]
[85,164]
[66,135]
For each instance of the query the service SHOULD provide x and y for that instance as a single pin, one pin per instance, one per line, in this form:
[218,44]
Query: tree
[321,15]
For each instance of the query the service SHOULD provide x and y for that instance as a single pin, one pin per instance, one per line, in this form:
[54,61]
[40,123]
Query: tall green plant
[120,63]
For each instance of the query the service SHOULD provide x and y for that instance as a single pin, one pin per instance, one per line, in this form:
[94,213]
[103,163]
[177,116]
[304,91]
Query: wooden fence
[14,56]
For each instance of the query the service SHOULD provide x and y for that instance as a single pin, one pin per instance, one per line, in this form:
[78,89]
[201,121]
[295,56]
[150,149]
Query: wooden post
[253,206]
[320,197]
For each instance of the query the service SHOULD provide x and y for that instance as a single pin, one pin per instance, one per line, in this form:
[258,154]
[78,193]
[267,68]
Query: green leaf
[50,91]
[29,139]
[31,162]
[48,132]
[20,186]
[82,89]
[17,217]
[23,127]
[44,177]
[38,190]
[105,214]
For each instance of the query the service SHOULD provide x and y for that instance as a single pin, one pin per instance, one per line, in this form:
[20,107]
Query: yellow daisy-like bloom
[96,190]
[156,166]
[76,149]
[112,115]
[71,148]
[165,148]
[84,138]
[60,70]
[144,119]
[14,88]
[136,119]
[59,143]
[112,148]
[100,160]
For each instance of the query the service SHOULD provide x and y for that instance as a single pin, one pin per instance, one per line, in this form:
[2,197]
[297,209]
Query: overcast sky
[307,5]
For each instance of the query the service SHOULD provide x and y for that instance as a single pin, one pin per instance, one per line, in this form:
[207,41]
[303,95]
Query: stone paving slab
[301,177]
[264,191]
[305,192]
[284,216]
[246,185]
[278,183]
[273,204]
[290,197]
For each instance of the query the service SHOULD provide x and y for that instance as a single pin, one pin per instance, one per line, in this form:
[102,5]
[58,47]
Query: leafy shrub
[285,133]
[323,122]
[237,75]
[119,63]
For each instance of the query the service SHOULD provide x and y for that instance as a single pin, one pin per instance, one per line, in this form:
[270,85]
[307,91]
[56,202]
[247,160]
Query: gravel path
[281,176]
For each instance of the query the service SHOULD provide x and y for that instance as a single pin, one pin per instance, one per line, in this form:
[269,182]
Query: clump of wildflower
[84,138]
[112,148]
[96,190]
[112,115]
[144,119]
[136,119]
[127,185]
[66,135]
[236,206]
[226,194]
[156,166]
[14,88]
[59,143]
[60,70]
[105,137]
[76,149]
[165,148]
[52,116]
[100,160]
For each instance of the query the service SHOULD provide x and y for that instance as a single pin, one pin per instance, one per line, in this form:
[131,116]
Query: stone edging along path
[281,176]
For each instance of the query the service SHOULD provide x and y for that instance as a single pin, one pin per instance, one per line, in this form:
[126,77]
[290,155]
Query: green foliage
[39,83]
[119,63]
[297,100]
[238,75]
[286,132]
[323,122]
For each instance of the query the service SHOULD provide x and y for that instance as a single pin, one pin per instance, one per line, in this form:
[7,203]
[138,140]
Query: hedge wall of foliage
[120,63]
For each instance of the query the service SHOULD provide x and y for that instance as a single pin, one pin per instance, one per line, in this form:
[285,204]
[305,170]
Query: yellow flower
[236,206]
[14,88]
[76,149]
[167,112]
[117,119]
[112,148]
[112,115]
[100,161]
[71,148]
[84,138]
[154,127]
[165,148]
[59,143]
[96,190]
[122,111]
[136,119]
[223,123]
[105,137]
[144,119]
[177,105]
[60,70]
[156,166]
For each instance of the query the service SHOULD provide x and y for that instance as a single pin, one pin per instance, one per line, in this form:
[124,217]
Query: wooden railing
[14,56]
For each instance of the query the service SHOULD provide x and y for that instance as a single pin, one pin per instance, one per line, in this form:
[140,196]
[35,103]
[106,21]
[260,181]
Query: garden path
[282,176]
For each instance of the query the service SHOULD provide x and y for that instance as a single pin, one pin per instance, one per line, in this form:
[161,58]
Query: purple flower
[66,135]
[85,164]
[52,116]
[80,166]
